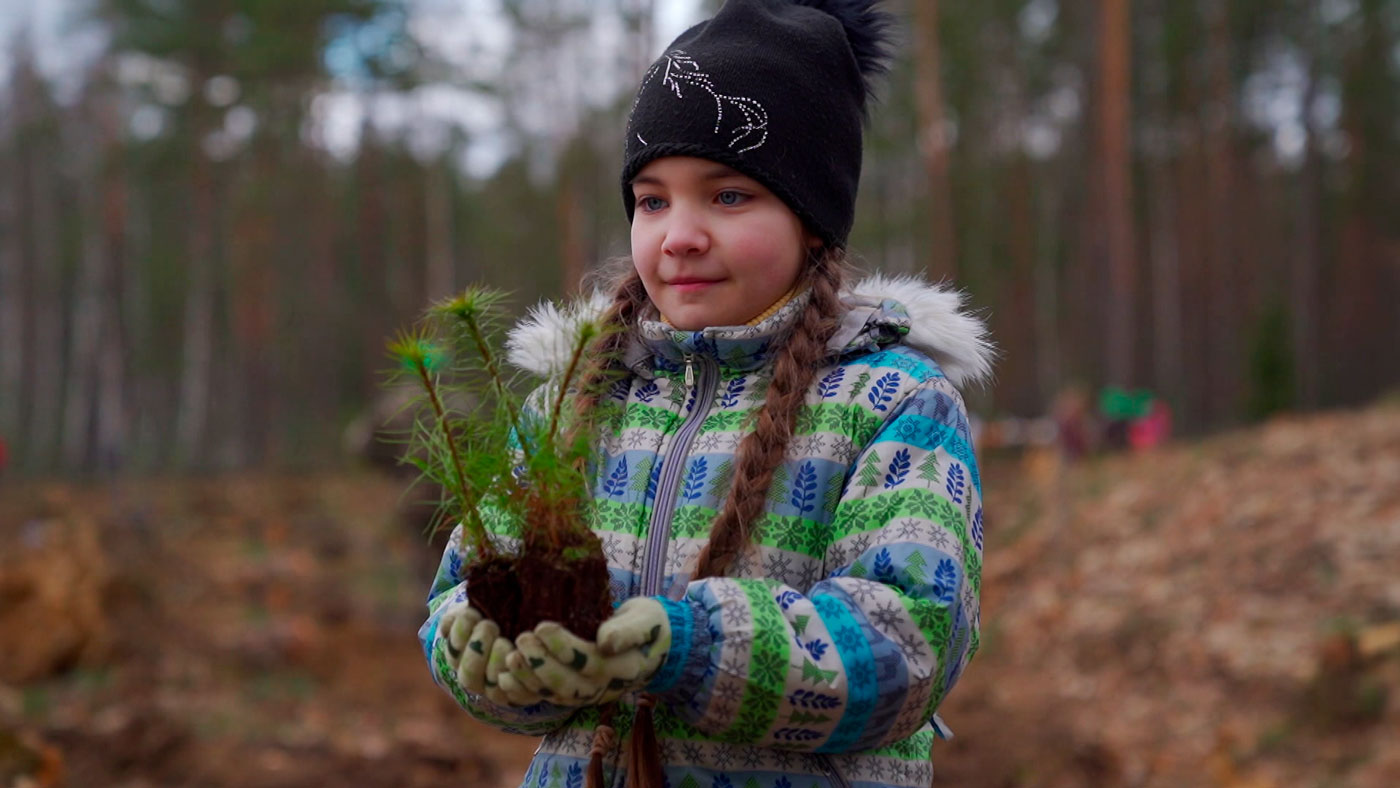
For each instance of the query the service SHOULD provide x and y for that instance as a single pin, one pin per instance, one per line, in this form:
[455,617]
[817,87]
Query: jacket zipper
[829,766]
[668,486]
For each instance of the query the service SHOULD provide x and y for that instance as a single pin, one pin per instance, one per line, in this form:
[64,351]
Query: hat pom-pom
[868,30]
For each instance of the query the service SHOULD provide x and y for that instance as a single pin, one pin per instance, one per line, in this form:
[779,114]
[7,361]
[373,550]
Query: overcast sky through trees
[469,35]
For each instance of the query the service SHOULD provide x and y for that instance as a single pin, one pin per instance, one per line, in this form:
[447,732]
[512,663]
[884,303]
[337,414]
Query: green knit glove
[478,652]
[571,671]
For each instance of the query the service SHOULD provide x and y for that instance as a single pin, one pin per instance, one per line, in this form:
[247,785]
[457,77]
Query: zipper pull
[689,370]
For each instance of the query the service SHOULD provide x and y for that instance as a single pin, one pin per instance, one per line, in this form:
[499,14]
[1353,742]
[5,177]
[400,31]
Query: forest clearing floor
[1223,612]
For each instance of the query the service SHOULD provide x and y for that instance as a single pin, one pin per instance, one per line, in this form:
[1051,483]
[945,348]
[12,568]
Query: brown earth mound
[258,632]
[1216,613]
[53,580]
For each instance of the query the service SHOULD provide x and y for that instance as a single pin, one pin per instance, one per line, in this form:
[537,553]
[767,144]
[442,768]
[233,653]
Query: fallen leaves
[1221,613]
[1150,604]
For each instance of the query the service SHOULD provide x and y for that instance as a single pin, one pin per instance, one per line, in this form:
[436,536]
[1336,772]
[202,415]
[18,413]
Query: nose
[686,233]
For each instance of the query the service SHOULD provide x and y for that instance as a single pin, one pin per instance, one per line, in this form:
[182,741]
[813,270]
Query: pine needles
[501,455]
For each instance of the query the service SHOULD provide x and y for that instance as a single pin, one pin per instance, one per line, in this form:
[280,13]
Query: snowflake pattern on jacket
[822,656]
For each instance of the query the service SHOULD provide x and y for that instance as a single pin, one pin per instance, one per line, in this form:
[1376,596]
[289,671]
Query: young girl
[786,489]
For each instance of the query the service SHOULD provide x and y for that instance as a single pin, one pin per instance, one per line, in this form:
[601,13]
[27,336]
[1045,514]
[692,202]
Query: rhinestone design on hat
[677,69]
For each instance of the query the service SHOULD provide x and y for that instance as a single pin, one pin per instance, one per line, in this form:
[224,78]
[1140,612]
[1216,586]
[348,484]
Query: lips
[691,284]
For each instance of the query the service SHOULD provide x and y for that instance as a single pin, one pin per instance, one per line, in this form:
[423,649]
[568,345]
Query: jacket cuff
[690,646]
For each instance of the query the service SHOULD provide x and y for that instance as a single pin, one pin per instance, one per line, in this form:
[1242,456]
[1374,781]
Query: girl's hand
[571,671]
[479,654]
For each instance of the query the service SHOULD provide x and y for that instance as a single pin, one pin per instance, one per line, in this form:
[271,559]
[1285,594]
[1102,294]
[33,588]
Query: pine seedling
[442,448]
[498,453]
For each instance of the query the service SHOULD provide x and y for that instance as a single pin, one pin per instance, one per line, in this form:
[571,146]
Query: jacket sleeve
[449,588]
[865,656]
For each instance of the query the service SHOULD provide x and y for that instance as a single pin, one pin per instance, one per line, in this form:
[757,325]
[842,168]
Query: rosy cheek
[768,260]
[639,239]
[646,249]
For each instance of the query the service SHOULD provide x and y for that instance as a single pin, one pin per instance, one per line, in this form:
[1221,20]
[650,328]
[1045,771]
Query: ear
[813,242]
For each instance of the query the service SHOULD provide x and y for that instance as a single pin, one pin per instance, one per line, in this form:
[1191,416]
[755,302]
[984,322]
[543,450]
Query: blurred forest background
[212,213]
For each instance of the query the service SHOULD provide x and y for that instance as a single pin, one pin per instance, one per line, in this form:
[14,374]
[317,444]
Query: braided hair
[762,450]
[759,454]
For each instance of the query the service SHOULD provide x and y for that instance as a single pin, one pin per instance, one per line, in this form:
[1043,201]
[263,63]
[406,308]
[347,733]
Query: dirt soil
[257,632]
[1217,613]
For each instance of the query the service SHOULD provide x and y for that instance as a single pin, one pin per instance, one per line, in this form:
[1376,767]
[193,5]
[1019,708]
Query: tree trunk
[252,248]
[146,444]
[198,350]
[641,16]
[1364,274]
[1019,306]
[113,417]
[1167,336]
[1306,280]
[1221,351]
[571,243]
[12,358]
[1049,364]
[1192,224]
[87,318]
[46,310]
[320,388]
[437,206]
[1115,36]
[1163,228]
[934,142]
[375,303]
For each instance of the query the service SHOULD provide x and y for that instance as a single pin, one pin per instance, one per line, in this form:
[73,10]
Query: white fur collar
[939,326]
[542,342]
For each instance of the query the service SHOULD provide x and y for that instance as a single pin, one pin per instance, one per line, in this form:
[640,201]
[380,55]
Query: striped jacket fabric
[821,657]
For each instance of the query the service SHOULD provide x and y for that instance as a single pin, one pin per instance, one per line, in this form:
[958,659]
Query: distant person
[1153,428]
[1076,429]
[786,483]
[1120,409]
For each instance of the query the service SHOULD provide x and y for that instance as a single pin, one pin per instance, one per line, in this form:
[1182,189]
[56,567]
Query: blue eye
[731,197]
[650,204]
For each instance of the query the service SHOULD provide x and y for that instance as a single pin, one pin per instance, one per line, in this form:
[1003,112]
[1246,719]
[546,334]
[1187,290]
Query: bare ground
[1219,613]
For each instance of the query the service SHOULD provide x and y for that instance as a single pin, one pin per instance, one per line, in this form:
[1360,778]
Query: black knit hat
[776,89]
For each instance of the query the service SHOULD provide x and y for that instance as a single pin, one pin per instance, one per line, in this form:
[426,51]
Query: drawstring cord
[604,740]
[644,769]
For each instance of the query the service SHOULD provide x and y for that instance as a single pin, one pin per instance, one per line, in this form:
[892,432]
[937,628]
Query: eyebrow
[715,173]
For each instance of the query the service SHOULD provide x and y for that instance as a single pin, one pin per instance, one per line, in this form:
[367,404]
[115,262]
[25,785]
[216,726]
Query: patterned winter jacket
[821,657]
